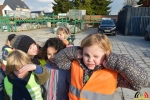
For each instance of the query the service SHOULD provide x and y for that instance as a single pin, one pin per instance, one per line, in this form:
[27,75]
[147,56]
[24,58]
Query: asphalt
[132,46]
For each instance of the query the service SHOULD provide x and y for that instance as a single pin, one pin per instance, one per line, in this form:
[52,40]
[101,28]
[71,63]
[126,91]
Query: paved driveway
[136,48]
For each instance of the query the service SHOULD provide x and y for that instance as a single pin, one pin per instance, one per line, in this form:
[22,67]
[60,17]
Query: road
[132,46]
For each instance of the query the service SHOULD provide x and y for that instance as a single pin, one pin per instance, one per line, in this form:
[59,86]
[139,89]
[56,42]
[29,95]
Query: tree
[144,3]
[96,7]
[62,6]
[101,7]
[130,2]
[140,2]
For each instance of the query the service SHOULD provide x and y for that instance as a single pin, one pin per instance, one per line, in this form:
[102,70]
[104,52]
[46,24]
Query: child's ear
[80,54]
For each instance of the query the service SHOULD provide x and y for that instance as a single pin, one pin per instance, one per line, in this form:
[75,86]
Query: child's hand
[70,45]
[27,67]
[106,58]
[79,55]
[24,70]
[19,75]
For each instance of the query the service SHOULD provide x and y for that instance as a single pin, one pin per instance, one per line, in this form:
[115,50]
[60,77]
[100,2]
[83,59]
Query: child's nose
[89,59]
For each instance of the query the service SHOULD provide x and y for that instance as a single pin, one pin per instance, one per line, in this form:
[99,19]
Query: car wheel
[146,36]
[114,34]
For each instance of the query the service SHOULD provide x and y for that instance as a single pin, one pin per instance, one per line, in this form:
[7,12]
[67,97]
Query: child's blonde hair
[65,31]
[99,39]
[15,61]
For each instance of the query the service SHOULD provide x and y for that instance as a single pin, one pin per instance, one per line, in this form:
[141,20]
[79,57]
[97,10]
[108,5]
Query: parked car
[147,33]
[107,27]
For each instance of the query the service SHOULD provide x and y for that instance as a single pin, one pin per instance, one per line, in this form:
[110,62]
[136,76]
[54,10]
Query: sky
[46,5]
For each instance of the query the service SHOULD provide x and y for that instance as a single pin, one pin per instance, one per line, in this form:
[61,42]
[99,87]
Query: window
[18,6]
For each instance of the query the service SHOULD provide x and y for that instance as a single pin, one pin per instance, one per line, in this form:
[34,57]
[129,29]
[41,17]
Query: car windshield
[108,22]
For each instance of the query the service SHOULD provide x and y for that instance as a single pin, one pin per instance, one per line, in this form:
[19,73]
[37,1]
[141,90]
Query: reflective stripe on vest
[32,86]
[100,86]
[42,62]
[9,50]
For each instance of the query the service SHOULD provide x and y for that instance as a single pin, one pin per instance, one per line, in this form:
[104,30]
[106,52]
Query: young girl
[21,87]
[98,72]
[26,44]
[57,85]
[64,35]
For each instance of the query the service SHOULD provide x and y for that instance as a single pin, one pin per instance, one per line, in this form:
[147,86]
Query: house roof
[37,12]
[48,13]
[13,4]
[1,8]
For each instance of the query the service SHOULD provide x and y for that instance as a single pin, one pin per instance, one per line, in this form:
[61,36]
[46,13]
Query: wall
[6,8]
[21,9]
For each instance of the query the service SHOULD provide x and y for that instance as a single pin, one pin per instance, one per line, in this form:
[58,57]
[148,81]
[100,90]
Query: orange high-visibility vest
[100,86]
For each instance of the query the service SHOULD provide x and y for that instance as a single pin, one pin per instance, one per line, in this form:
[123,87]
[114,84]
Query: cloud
[31,7]
[1,2]
[45,1]
[116,6]
[46,8]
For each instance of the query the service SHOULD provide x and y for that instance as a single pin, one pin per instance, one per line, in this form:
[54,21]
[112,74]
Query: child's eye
[49,54]
[86,55]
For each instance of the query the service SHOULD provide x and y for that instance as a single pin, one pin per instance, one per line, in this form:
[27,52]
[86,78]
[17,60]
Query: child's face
[51,51]
[33,50]
[60,35]
[93,56]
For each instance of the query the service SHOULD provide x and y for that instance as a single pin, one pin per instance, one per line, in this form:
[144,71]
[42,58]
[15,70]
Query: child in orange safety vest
[64,35]
[96,72]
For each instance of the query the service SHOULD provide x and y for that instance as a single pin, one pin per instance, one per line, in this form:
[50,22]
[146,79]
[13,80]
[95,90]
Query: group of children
[61,71]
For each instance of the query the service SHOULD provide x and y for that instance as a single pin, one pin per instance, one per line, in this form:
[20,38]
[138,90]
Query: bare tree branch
[130,2]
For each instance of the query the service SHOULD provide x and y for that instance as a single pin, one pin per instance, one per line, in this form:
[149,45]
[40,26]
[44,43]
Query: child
[98,72]
[26,86]
[63,33]
[58,84]
[1,85]
[7,49]
[28,45]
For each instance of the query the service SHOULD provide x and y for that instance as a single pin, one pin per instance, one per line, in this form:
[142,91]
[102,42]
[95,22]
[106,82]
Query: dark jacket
[57,86]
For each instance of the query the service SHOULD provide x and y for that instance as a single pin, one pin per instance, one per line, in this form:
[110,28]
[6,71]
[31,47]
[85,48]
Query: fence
[128,17]
[139,24]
